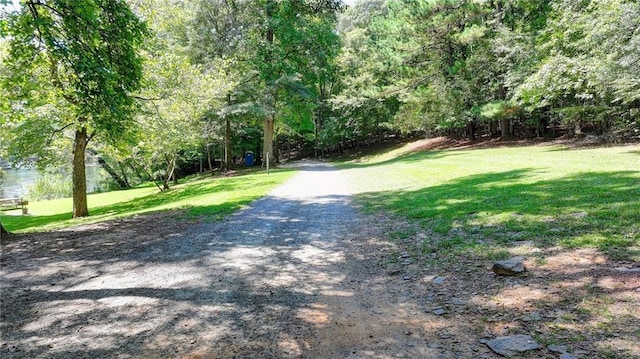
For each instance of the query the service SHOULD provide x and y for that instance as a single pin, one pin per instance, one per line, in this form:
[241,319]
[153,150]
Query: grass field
[206,197]
[481,199]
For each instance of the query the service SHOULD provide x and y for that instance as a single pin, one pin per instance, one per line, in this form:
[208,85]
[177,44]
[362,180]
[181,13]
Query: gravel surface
[296,274]
[299,274]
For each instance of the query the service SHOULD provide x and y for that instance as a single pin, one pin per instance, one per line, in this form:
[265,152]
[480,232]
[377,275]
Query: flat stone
[533,317]
[433,345]
[567,356]
[557,348]
[438,280]
[513,266]
[439,311]
[512,345]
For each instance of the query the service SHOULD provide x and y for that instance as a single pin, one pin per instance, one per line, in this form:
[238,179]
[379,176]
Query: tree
[269,45]
[175,96]
[587,69]
[3,232]
[287,53]
[81,58]
[218,41]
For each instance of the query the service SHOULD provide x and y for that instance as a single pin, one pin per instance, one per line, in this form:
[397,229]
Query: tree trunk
[171,166]
[493,128]
[228,163]
[504,128]
[315,137]
[209,160]
[79,176]
[124,174]
[267,146]
[3,232]
[267,143]
[472,130]
[116,177]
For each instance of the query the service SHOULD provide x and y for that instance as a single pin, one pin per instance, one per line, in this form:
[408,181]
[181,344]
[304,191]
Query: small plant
[50,186]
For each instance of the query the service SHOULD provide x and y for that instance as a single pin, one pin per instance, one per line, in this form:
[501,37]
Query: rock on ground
[512,345]
[513,266]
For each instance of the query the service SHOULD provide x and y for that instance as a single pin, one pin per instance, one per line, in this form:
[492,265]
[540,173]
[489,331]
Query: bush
[50,186]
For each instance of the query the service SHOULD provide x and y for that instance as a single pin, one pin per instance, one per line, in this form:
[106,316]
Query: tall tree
[218,40]
[176,94]
[82,56]
[289,28]
[271,42]
[587,69]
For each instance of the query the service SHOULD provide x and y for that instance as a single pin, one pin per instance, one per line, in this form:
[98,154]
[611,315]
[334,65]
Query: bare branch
[55,132]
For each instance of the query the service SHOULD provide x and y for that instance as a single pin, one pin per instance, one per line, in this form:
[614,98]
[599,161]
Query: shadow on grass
[19,222]
[407,157]
[195,197]
[600,209]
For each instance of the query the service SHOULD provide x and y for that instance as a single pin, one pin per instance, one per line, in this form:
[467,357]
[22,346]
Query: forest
[155,89]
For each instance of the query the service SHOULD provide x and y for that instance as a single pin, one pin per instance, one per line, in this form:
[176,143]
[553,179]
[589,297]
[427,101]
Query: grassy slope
[209,197]
[485,198]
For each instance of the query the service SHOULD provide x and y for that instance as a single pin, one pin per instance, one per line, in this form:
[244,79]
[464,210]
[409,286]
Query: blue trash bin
[248,159]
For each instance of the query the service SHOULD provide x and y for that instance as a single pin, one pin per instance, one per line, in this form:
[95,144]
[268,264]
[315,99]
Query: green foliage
[66,50]
[276,57]
[70,71]
[498,110]
[50,186]
[585,64]
[455,66]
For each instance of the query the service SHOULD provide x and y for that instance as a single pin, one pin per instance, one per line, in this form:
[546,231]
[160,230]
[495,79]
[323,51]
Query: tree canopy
[71,70]
[154,89]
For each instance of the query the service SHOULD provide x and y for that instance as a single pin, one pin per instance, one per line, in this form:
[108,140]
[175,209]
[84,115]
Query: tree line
[156,89]
[519,68]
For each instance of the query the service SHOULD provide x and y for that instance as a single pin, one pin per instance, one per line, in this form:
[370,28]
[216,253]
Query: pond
[18,181]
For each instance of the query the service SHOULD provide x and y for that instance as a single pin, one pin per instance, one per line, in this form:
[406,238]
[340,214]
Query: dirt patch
[576,300]
[299,274]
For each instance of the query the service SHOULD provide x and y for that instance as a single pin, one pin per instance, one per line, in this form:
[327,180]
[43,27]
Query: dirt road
[297,274]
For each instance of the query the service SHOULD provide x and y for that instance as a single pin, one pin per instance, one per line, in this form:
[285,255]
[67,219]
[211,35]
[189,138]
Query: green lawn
[485,199]
[205,197]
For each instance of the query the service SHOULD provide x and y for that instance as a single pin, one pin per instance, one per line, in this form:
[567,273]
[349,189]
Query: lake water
[18,181]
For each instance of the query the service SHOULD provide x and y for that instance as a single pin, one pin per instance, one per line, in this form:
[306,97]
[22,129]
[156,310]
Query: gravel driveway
[296,275]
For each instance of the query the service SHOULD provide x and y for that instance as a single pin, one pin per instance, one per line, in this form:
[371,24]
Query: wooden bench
[13,203]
